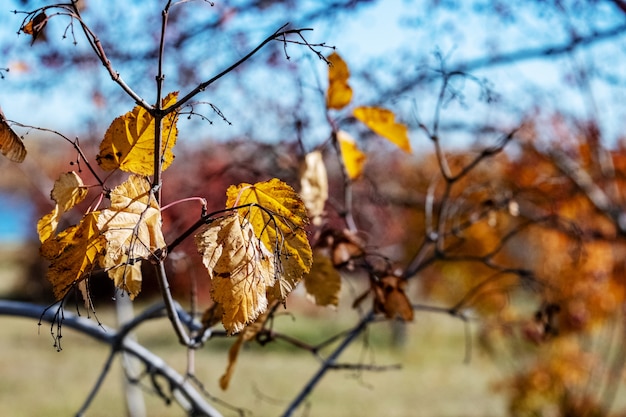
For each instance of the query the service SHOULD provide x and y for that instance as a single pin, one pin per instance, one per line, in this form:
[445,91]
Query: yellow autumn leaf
[128,143]
[68,191]
[339,92]
[11,145]
[73,254]
[240,267]
[278,217]
[352,157]
[132,229]
[323,282]
[314,185]
[383,122]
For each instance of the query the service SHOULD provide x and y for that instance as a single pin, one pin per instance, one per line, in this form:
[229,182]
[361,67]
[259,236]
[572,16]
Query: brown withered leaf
[35,26]
[391,300]
[11,145]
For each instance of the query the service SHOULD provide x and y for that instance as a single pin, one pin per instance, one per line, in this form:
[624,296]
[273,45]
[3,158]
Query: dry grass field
[39,381]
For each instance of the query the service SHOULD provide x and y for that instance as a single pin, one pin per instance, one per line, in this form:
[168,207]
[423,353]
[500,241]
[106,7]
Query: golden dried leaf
[73,254]
[278,217]
[323,282]
[353,159]
[68,191]
[339,92]
[314,185]
[132,228]
[11,145]
[47,225]
[126,275]
[128,143]
[383,122]
[240,267]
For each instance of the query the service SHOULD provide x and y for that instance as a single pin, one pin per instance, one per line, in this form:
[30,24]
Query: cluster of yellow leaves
[258,254]
[379,120]
[116,239]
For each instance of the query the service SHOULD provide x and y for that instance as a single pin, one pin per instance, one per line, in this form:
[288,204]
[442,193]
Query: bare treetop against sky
[394,49]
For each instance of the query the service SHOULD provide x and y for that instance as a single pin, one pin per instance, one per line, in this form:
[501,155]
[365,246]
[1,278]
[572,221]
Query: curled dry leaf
[339,92]
[240,267]
[73,254]
[344,246]
[383,122]
[314,185]
[11,145]
[35,26]
[128,143]
[132,228]
[391,300]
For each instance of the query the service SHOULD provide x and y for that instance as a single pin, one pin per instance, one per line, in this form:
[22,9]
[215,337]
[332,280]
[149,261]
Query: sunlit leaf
[314,185]
[73,254]
[129,141]
[240,267]
[383,122]
[132,228]
[339,92]
[323,282]
[68,191]
[278,217]
[353,159]
[11,145]
[47,225]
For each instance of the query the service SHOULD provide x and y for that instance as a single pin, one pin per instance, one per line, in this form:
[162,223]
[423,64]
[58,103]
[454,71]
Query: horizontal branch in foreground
[108,336]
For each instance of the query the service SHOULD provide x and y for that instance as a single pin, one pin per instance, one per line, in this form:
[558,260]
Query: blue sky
[376,36]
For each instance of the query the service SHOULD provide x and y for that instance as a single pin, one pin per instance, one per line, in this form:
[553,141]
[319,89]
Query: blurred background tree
[529,240]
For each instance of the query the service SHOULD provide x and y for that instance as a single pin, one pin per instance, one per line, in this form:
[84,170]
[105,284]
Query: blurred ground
[434,381]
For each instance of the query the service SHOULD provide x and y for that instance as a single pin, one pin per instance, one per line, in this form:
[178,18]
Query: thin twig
[329,363]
